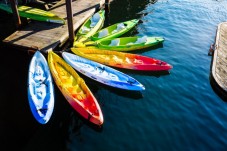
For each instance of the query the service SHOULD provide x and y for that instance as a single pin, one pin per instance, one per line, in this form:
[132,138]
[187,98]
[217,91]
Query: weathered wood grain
[219,64]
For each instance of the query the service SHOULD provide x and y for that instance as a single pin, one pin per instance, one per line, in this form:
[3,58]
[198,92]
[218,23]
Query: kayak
[123,43]
[34,13]
[114,31]
[90,26]
[129,43]
[40,89]
[102,73]
[74,89]
[122,60]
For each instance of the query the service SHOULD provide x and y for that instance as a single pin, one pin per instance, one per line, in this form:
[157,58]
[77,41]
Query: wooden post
[107,6]
[107,1]
[70,21]
[107,11]
[15,13]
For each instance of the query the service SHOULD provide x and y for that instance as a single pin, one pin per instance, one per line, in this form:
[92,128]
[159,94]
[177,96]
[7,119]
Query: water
[177,111]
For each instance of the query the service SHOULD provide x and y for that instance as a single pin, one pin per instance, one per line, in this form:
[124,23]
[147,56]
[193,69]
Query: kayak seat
[43,110]
[95,19]
[119,27]
[38,75]
[139,41]
[81,96]
[103,33]
[115,42]
[85,66]
[85,30]
[100,69]
[113,77]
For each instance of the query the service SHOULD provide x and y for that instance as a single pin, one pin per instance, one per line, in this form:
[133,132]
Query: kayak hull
[40,89]
[74,89]
[102,73]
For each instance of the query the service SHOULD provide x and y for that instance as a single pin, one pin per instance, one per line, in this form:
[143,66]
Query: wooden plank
[45,36]
[219,63]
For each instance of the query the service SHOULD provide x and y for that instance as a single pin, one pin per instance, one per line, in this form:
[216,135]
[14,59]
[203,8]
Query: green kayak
[91,26]
[128,43]
[114,31]
[34,13]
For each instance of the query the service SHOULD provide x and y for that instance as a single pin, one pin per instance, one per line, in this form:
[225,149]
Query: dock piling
[70,20]
[107,3]
[15,13]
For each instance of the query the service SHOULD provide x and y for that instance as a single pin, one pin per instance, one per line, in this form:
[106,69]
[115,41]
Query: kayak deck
[44,36]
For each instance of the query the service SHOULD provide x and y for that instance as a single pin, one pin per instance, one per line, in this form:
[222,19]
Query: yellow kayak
[74,89]
[90,26]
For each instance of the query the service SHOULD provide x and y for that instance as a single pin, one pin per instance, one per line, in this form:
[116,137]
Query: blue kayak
[40,89]
[102,73]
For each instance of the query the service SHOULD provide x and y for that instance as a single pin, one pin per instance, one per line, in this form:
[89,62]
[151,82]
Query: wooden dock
[46,36]
[219,60]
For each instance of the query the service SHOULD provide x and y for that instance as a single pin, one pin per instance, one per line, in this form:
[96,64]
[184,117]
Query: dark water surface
[178,111]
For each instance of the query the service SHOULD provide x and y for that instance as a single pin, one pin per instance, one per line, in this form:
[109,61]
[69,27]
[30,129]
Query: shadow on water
[16,121]
[130,6]
[64,123]
[217,89]
[147,73]
[7,26]
[77,121]
[56,133]
[126,93]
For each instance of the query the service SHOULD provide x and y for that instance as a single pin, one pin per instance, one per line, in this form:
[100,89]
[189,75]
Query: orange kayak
[74,89]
